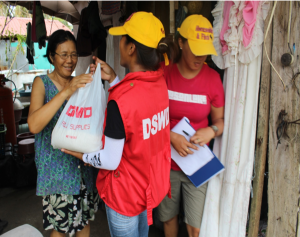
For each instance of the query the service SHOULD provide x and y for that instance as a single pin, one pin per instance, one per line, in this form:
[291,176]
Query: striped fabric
[110,7]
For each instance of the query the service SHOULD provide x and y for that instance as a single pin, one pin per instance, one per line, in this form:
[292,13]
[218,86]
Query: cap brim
[200,48]
[119,30]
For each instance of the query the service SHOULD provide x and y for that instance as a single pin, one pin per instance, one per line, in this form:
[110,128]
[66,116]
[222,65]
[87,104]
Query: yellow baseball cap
[142,27]
[199,33]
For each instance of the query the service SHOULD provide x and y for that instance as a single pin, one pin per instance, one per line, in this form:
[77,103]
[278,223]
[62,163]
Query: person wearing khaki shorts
[195,92]
[193,200]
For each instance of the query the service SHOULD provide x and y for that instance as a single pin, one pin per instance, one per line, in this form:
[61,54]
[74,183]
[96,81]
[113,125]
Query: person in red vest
[136,160]
[195,91]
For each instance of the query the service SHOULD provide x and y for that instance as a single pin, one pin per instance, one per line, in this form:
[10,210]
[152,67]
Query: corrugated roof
[17,25]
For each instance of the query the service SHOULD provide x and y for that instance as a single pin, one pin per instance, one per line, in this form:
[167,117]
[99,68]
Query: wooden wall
[262,135]
[283,185]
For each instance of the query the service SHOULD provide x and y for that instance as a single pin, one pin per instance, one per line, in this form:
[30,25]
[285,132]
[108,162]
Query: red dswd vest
[142,179]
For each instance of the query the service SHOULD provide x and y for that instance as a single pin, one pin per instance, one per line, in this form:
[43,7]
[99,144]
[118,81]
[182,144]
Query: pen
[187,135]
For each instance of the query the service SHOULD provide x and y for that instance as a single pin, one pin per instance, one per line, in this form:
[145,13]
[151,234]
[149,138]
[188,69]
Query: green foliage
[17,11]
[21,12]
[3,9]
[46,16]
[19,49]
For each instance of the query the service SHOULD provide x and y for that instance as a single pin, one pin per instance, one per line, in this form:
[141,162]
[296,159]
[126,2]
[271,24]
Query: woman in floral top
[68,187]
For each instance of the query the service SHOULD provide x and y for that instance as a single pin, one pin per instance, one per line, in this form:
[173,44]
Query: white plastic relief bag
[80,125]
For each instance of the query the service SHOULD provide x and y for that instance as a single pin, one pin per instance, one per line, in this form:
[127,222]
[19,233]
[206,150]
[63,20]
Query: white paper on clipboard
[192,162]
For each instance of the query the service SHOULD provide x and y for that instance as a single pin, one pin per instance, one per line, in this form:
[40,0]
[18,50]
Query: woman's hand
[107,73]
[92,68]
[78,155]
[73,153]
[77,82]
[181,145]
[203,136]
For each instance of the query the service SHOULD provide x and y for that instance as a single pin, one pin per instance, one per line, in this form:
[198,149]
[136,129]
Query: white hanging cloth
[227,198]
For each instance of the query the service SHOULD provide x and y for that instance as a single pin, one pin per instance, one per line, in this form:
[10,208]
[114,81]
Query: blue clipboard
[208,171]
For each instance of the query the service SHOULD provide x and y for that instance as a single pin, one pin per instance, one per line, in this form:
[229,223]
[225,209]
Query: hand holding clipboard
[202,164]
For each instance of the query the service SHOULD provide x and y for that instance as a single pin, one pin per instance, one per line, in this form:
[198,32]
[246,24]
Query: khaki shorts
[193,200]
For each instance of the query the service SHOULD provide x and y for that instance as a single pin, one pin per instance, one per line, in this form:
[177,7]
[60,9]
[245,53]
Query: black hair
[178,56]
[56,38]
[151,57]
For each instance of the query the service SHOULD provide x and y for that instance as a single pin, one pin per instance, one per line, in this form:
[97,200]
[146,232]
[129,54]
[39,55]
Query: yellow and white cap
[199,33]
[142,27]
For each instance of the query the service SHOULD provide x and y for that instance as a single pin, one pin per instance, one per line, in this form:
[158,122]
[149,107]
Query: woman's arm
[204,135]
[109,158]
[40,114]
[217,117]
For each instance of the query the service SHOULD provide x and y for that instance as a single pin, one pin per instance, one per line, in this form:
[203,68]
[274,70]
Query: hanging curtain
[238,29]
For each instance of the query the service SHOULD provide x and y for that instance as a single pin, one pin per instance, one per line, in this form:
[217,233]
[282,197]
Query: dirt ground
[21,206]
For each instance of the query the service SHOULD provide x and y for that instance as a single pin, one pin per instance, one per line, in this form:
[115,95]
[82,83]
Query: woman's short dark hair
[151,57]
[56,38]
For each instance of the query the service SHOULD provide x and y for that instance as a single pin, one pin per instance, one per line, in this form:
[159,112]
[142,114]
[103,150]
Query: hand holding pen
[203,136]
[181,144]
[195,140]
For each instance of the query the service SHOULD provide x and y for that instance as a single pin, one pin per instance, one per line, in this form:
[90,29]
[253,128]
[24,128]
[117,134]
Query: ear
[180,43]
[131,49]
[51,58]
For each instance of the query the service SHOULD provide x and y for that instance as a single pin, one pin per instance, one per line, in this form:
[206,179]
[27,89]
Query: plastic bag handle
[87,70]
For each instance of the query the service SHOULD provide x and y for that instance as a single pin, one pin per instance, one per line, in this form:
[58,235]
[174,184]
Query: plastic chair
[23,231]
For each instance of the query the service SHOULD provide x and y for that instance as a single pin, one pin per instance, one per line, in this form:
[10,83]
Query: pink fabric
[249,15]
[225,27]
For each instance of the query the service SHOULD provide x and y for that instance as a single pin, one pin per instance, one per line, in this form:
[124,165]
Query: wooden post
[176,5]
[172,19]
[262,134]
[283,184]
